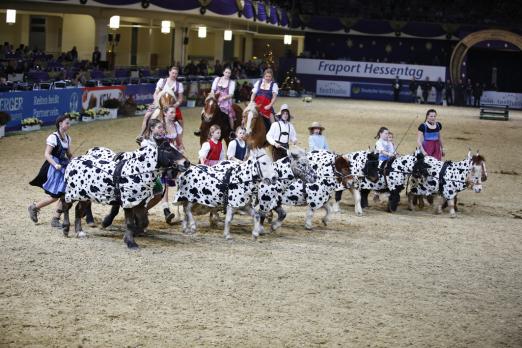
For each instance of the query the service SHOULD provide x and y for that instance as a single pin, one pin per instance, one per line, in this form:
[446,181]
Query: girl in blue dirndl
[51,175]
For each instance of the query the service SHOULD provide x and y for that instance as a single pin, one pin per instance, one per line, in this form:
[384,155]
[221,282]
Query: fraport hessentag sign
[369,69]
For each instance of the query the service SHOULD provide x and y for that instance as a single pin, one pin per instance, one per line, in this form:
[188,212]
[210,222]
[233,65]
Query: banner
[46,105]
[381,91]
[94,97]
[369,69]
[513,100]
[49,104]
[333,88]
[142,93]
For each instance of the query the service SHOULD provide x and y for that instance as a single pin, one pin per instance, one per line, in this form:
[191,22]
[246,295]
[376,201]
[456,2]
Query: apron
[225,105]
[263,98]
[214,155]
[431,143]
[52,181]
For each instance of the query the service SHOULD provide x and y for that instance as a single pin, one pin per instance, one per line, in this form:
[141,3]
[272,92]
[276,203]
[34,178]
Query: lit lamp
[114,22]
[165,27]
[227,35]
[202,32]
[10,17]
[287,39]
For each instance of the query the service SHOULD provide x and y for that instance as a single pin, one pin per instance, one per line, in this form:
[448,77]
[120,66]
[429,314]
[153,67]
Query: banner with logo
[341,68]
[333,88]
[142,93]
[46,105]
[94,97]
[513,100]
[381,91]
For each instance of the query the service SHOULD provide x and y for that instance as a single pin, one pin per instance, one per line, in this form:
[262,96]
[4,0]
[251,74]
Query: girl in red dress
[212,151]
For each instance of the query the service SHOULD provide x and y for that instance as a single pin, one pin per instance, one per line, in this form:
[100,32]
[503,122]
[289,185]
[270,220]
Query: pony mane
[251,107]
[210,96]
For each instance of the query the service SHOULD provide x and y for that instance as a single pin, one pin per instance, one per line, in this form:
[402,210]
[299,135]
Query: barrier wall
[49,104]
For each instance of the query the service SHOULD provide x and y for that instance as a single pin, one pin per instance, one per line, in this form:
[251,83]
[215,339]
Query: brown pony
[165,99]
[212,114]
[255,127]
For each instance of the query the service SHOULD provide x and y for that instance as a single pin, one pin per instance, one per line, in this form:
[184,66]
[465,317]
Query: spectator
[439,86]
[218,68]
[468,92]
[449,93]
[426,88]
[74,54]
[396,87]
[477,94]
[413,90]
[96,57]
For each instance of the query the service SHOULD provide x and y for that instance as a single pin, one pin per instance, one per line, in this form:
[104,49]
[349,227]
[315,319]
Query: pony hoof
[228,238]
[308,228]
[65,230]
[132,245]
[106,223]
[81,234]
[453,215]
[325,222]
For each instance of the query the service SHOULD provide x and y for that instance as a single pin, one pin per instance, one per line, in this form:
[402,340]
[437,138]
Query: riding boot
[33,212]
[55,222]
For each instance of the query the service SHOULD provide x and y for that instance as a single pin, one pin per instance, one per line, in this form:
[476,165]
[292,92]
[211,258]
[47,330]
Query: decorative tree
[269,57]
[291,81]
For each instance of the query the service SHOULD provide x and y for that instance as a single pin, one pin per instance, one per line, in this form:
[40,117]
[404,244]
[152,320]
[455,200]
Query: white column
[238,46]
[300,45]
[219,41]
[249,46]
[100,37]
[179,48]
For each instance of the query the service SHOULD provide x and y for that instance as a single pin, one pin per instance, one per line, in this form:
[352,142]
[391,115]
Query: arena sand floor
[382,280]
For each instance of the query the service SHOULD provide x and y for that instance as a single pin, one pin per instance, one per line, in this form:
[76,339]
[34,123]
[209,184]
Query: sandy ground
[382,280]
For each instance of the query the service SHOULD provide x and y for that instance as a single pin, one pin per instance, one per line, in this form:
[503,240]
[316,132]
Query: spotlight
[145,3]
[397,33]
[83,2]
[202,10]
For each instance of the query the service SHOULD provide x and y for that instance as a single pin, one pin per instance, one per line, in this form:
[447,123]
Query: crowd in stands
[503,12]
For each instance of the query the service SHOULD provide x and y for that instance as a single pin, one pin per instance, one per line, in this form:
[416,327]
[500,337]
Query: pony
[255,127]
[449,178]
[212,114]
[165,99]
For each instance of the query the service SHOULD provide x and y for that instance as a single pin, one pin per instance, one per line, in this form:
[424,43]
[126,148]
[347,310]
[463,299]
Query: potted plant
[103,114]
[128,108]
[74,116]
[141,109]
[31,124]
[112,105]
[191,101]
[88,115]
[5,118]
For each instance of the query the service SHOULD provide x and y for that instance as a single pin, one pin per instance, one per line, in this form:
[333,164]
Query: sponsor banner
[142,93]
[381,91]
[93,97]
[513,100]
[333,88]
[46,105]
[369,69]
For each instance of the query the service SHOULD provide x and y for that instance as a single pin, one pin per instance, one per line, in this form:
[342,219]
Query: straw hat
[316,125]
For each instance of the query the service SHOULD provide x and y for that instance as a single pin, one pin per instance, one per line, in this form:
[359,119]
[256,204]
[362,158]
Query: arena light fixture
[227,35]
[114,22]
[287,39]
[202,32]
[165,27]
[10,17]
